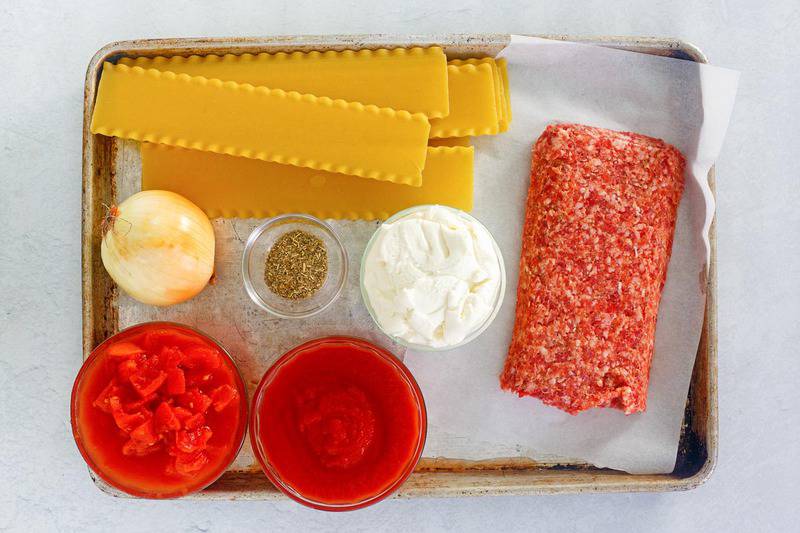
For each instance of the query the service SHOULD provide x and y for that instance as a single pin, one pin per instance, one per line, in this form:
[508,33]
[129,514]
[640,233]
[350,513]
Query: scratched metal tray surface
[106,176]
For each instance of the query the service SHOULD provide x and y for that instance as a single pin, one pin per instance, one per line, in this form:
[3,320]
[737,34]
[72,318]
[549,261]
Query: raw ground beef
[600,218]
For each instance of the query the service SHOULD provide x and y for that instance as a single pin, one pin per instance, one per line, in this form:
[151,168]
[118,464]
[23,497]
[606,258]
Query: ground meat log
[597,238]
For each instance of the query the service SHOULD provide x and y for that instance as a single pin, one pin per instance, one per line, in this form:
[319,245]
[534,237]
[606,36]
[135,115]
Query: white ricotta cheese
[432,277]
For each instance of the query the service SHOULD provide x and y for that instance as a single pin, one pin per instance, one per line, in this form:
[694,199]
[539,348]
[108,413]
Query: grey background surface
[44,49]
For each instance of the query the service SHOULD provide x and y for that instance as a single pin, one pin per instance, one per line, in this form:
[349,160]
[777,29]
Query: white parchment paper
[686,104]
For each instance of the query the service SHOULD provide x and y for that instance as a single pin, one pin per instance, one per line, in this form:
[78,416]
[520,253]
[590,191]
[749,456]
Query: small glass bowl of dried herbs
[294,266]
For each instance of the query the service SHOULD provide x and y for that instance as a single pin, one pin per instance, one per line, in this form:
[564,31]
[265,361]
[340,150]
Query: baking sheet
[685,103]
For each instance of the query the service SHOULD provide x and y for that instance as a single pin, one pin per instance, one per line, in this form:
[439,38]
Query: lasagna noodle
[450,141]
[596,243]
[502,68]
[501,100]
[226,186]
[413,79]
[473,104]
[260,123]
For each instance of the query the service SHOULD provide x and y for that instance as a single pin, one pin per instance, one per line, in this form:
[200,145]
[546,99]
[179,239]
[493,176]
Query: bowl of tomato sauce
[159,410]
[338,423]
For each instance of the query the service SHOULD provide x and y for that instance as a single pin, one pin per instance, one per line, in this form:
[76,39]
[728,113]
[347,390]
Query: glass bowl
[95,436]
[498,298]
[255,256]
[332,347]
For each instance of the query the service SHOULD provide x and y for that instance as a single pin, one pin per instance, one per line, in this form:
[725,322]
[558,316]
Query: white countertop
[44,49]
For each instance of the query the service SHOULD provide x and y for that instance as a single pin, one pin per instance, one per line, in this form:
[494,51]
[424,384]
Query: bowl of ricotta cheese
[432,278]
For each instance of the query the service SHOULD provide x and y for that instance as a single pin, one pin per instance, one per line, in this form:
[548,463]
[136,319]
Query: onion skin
[159,248]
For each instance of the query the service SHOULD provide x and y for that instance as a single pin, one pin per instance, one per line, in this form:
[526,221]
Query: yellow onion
[158,247]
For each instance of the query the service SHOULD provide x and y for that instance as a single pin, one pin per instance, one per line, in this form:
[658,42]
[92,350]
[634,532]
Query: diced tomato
[111,390]
[146,382]
[151,362]
[139,404]
[176,381]
[198,378]
[128,422]
[124,349]
[194,421]
[126,369]
[165,419]
[132,407]
[155,339]
[145,433]
[114,404]
[171,357]
[201,358]
[189,463]
[188,441]
[195,401]
[182,413]
[139,449]
[222,396]
[159,387]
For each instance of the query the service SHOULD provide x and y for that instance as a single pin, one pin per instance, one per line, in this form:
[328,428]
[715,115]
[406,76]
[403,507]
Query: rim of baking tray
[285,487]
[241,429]
[498,299]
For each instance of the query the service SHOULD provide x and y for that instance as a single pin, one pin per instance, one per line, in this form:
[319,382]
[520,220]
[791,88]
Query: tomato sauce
[338,423]
[159,410]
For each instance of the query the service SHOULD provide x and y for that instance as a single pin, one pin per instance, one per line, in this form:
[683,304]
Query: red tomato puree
[159,411]
[338,421]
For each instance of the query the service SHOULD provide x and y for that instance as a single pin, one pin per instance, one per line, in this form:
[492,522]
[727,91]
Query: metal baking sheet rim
[480,480]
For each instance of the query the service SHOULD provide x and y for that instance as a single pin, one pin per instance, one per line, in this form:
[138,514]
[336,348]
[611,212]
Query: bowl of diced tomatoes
[159,410]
